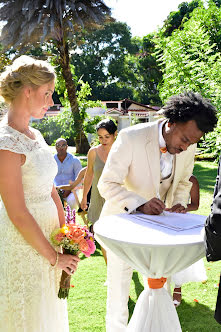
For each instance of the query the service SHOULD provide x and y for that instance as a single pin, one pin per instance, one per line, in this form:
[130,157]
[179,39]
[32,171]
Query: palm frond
[36,20]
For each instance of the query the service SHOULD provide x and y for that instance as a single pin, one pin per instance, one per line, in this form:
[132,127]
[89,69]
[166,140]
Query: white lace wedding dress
[28,284]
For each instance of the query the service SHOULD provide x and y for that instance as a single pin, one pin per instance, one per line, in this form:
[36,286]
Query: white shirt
[166,159]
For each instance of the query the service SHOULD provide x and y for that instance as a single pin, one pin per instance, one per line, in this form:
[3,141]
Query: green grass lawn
[87,300]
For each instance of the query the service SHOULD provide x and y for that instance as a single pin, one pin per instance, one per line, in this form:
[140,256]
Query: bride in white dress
[30,207]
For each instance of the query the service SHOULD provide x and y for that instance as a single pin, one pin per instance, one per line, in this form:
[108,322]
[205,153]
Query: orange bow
[156,283]
[163,150]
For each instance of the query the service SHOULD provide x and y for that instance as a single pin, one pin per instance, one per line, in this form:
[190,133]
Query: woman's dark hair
[107,124]
[191,106]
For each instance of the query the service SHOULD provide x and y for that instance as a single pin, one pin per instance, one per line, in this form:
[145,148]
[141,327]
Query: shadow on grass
[193,318]
[198,317]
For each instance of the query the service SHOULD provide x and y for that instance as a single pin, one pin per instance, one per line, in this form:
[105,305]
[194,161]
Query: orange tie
[163,150]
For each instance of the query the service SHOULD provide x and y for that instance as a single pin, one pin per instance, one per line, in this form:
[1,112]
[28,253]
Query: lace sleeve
[13,141]
[10,144]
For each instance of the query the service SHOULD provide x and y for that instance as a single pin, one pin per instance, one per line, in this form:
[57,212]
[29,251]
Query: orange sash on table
[156,283]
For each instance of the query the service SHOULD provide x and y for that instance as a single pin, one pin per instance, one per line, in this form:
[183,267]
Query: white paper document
[175,221]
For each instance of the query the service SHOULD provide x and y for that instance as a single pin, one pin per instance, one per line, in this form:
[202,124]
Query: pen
[158,196]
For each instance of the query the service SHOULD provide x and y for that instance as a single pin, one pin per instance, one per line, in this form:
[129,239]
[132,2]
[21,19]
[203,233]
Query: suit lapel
[153,155]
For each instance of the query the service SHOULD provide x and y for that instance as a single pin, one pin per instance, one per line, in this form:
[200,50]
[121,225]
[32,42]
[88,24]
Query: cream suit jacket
[131,175]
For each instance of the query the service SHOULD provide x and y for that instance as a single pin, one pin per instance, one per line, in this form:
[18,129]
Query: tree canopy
[190,60]
[101,61]
[176,19]
[118,66]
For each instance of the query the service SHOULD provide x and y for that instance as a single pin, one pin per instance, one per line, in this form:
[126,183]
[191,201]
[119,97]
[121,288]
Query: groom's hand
[153,206]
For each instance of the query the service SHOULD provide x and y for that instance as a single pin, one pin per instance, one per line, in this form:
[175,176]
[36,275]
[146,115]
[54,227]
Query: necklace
[27,132]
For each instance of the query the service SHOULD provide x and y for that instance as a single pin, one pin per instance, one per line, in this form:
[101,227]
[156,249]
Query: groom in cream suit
[148,170]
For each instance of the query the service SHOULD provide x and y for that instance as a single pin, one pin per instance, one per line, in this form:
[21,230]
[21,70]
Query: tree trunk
[81,142]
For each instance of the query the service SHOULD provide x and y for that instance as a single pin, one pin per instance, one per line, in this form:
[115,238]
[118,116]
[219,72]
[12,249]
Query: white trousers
[71,201]
[119,275]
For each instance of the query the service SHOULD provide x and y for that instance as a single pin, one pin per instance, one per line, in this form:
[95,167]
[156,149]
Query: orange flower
[195,300]
[83,245]
[76,234]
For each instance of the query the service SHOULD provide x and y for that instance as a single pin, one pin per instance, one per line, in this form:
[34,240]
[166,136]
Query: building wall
[93,111]
[135,107]
[123,122]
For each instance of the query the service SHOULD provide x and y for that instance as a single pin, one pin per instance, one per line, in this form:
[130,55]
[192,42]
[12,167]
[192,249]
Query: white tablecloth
[156,251]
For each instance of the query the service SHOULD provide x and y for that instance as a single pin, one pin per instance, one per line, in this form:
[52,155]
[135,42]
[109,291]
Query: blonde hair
[24,71]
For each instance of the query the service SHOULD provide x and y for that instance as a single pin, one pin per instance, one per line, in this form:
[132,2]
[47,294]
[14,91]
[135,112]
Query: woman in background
[97,156]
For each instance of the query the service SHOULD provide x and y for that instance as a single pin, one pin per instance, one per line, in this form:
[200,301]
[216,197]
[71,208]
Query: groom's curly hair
[191,106]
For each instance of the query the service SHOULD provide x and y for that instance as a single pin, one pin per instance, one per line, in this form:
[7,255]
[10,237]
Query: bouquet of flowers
[73,238]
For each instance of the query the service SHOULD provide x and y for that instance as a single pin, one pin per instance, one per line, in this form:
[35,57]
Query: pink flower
[91,248]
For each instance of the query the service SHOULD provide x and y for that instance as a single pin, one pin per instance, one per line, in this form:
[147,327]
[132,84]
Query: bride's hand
[84,204]
[68,263]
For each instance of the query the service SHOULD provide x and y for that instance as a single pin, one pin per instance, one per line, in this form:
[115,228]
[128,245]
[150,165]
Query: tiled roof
[114,110]
[138,110]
